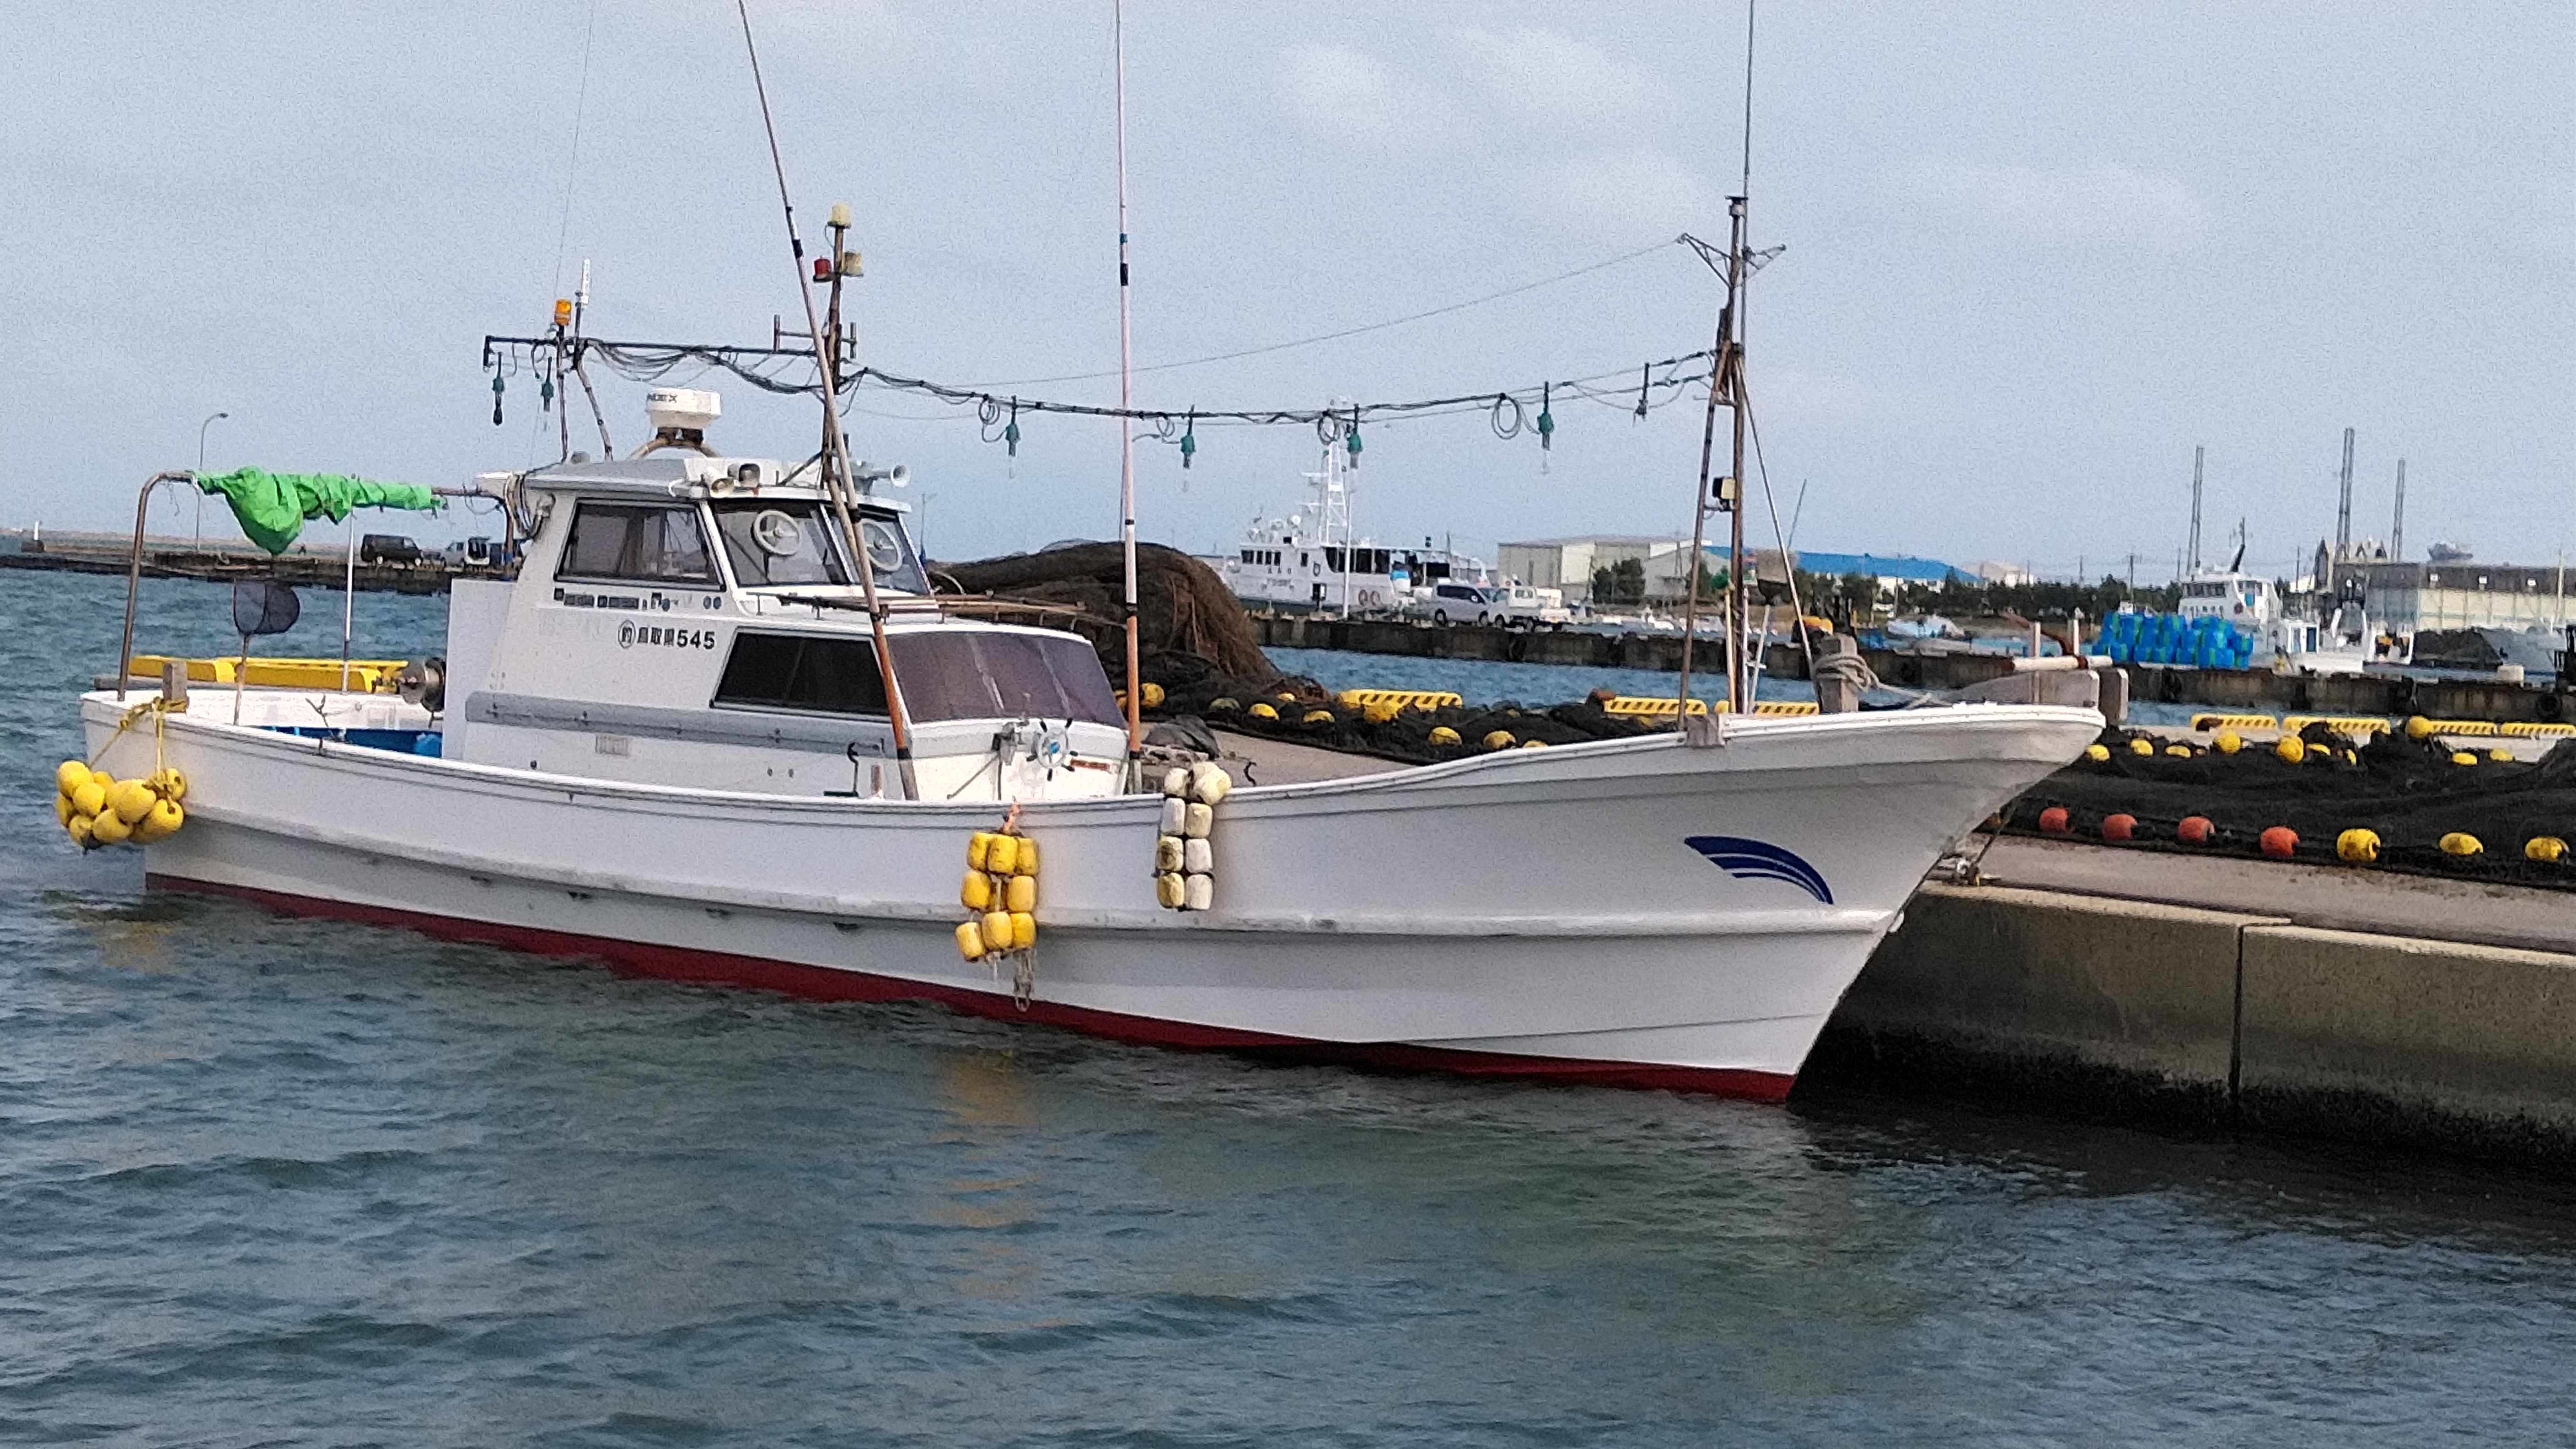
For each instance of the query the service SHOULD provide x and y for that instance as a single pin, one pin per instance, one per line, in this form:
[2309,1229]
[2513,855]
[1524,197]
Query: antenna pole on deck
[836,446]
[1126,401]
[1739,600]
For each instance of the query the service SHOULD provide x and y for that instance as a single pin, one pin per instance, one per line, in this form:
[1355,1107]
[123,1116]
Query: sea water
[271,1181]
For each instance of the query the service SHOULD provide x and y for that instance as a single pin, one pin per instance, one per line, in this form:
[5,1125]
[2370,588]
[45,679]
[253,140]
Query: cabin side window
[646,542]
[802,671]
[989,674]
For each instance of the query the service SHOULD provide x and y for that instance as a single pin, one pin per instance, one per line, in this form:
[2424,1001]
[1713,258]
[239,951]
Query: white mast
[1126,384]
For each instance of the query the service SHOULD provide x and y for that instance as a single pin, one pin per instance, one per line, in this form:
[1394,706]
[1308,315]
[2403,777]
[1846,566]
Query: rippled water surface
[267,1181]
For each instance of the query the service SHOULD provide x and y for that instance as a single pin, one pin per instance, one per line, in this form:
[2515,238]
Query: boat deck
[1258,761]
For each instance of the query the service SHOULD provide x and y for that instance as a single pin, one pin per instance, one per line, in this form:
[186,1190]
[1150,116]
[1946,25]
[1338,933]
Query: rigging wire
[572,163]
[1349,331]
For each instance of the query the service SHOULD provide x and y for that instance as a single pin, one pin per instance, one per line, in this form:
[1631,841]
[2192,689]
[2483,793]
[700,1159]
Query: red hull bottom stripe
[823,983]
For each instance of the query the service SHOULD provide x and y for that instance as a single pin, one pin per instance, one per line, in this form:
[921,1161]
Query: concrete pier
[2221,1017]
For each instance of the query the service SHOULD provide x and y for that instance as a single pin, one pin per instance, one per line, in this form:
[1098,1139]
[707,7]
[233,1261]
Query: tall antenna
[2343,504]
[2194,552]
[2397,528]
[1126,383]
[836,444]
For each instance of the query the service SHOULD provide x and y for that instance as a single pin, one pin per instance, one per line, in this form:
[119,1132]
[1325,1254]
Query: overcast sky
[2034,253]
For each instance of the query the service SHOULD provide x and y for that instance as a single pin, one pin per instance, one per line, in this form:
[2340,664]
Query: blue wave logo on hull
[1761,860]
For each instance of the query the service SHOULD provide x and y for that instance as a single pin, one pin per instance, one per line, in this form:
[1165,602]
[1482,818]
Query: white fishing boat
[716,726]
[666,744]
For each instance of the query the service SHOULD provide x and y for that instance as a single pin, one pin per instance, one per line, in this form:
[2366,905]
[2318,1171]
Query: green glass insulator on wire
[546,395]
[1546,420]
[1189,441]
[1351,439]
[497,386]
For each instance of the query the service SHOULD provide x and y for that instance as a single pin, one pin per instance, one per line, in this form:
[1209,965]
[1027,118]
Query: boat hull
[1555,913]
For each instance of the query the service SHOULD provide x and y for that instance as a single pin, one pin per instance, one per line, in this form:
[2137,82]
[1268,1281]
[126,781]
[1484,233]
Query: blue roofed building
[1890,569]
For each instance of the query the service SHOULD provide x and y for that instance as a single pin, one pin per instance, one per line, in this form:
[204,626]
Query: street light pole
[201,468]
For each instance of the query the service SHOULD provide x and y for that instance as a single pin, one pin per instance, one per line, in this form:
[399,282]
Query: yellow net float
[1443,735]
[2097,752]
[1499,740]
[2547,849]
[2227,742]
[163,822]
[2360,847]
[2463,757]
[2291,749]
[2142,747]
[1317,716]
[2460,842]
[1262,711]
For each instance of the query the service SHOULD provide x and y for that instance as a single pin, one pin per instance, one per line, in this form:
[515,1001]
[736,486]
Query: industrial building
[2459,594]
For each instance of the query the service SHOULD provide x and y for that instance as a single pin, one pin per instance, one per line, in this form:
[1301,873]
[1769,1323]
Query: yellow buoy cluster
[1184,858]
[97,808]
[1001,890]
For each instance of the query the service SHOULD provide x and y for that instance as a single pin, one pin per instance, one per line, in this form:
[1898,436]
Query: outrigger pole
[1126,425]
[836,445]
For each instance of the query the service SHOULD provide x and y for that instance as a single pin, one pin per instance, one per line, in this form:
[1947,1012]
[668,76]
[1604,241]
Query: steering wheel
[777,532]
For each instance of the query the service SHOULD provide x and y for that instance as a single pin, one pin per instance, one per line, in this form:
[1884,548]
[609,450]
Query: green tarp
[271,507]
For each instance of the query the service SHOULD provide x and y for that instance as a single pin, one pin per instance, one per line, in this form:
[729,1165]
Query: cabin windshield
[785,542]
[657,543]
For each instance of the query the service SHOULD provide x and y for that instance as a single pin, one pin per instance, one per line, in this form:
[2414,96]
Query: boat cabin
[683,619]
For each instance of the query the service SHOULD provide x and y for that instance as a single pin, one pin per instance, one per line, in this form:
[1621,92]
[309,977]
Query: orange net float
[2119,827]
[2280,842]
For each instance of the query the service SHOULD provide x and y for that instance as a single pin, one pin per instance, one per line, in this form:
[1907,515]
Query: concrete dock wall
[2172,1013]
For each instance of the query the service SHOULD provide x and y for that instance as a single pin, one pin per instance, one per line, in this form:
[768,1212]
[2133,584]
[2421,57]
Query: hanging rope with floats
[790,371]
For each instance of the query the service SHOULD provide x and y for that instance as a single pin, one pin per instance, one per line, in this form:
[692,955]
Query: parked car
[1453,604]
[473,552]
[387,548]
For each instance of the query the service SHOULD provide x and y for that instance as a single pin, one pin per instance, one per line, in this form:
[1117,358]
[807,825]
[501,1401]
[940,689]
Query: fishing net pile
[2410,793]
[1300,711]
[1190,630]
